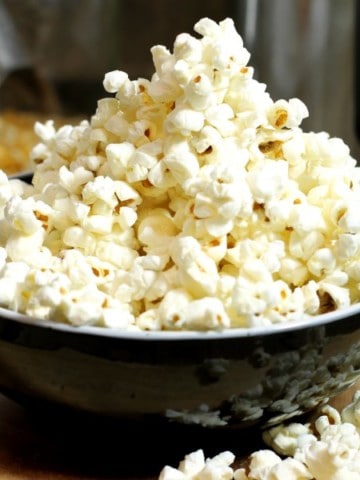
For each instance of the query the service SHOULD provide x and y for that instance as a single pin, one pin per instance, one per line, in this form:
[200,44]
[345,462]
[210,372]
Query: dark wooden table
[45,446]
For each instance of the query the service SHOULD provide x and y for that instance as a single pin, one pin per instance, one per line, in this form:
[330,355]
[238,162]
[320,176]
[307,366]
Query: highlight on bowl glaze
[233,378]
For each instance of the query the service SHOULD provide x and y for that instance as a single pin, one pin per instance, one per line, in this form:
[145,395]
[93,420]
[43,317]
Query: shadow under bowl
[230,379]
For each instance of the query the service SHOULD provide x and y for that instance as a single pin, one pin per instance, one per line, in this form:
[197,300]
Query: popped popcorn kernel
[196,466]
[114,80]
[193,201]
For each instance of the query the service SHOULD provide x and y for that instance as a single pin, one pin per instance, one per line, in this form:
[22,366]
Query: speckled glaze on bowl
[228,379]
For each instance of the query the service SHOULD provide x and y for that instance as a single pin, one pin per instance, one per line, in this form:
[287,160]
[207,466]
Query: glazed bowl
[226,379]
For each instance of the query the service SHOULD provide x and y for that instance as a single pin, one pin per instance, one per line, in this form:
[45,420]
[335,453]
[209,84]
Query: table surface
[34,446]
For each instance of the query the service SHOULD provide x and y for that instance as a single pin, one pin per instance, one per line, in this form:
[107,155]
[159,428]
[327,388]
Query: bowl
[234,378]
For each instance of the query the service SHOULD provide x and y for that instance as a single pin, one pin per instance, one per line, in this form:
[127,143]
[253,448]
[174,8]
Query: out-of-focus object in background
[23,91]
[12,53]
[357,69]
[21,84]
[306,49]
[17,137]
[72,44]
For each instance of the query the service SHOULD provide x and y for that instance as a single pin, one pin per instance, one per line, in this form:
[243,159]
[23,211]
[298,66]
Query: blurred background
[54,53]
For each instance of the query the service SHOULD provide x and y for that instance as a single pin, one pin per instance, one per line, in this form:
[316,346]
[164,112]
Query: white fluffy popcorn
[328,449]
[192,199]
[196,466]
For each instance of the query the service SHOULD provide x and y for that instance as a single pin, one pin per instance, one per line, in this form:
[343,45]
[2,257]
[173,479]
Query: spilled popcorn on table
[328,449]
[191,200]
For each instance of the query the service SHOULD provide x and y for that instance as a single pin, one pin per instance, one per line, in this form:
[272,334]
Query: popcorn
[20,215]
[188,49]
[114,80]
[20,246]
[284,439]
[118,156]
[157,230]
[180,160]
[267,465]
[192,199]
[335,455]
[184,121]
[348,218]
[327,449]
[321,262]
[287,114]
[77,237]
[73,181]
[267,180]
[198,273]
[194,466]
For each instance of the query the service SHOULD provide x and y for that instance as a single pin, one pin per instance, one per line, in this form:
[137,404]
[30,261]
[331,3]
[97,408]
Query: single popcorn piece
[193,201]
[284,439]
[198,273]
[113,81]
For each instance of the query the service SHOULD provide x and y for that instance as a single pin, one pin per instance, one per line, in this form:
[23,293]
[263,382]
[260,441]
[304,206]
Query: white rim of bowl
[308,322]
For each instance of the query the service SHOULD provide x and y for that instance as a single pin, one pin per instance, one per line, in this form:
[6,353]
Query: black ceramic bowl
[233,378]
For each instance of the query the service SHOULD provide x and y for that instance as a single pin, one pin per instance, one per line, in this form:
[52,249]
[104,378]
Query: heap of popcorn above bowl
[188,254]
[190,201]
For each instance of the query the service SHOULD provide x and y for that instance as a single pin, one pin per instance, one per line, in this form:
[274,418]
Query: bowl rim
[195,335]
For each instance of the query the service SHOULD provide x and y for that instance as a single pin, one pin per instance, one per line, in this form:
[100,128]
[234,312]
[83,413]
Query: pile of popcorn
[329,449]
[189,201]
